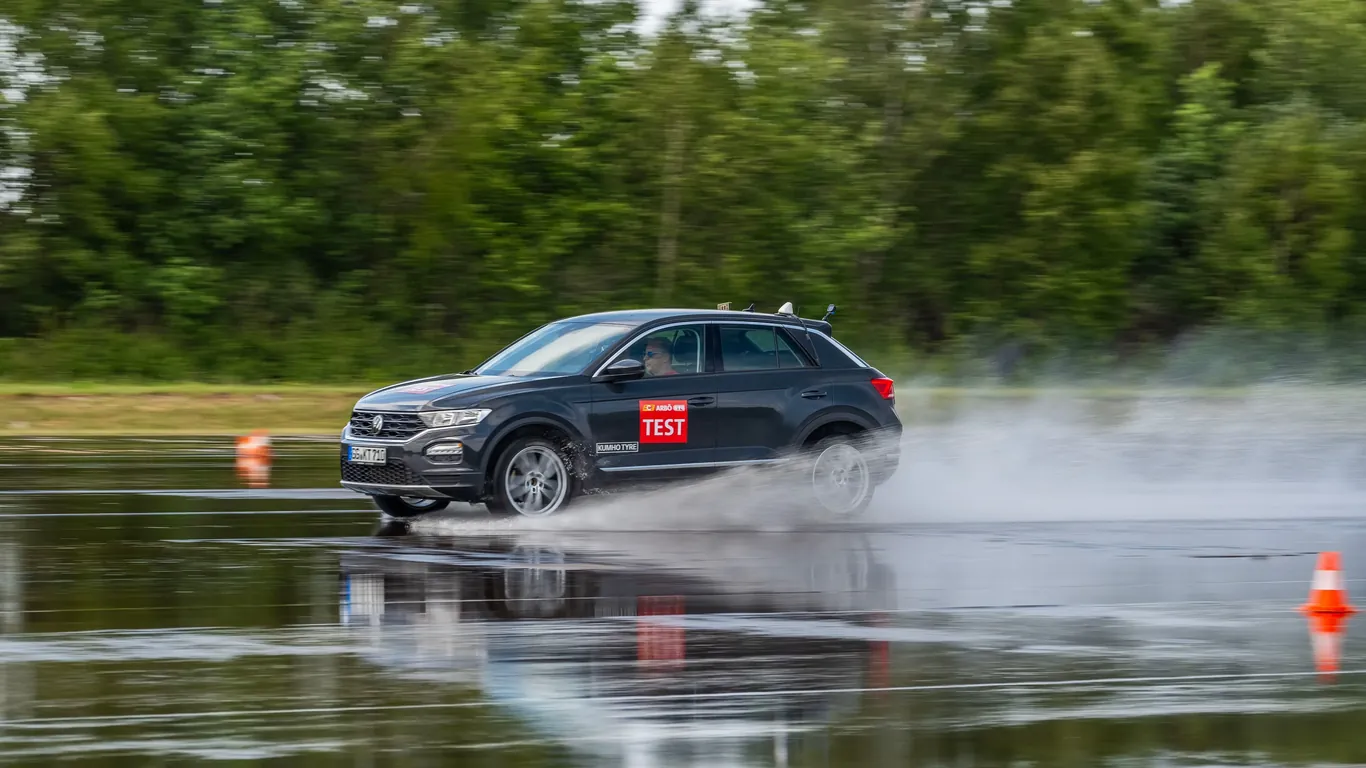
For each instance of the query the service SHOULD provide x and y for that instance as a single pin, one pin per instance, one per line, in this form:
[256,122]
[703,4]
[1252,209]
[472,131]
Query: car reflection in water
[634,647]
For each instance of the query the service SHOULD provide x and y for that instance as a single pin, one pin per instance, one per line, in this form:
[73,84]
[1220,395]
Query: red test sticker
[663,421]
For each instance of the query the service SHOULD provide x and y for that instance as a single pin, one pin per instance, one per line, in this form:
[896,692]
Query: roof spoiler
[823,325]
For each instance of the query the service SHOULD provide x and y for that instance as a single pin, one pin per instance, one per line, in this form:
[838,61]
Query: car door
[767,388]
[662,423]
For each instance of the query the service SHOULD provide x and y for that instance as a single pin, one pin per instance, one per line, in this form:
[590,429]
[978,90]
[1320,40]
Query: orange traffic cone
[1329,591]
[256,445]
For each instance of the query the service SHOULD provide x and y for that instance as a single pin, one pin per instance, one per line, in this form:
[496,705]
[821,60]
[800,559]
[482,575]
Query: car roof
[638,317]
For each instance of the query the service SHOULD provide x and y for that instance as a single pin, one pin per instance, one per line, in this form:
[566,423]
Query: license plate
[364,454]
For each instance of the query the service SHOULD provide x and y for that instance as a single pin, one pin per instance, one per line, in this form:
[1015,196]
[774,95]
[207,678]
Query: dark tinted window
[756,348]
[788,354]
[834,355]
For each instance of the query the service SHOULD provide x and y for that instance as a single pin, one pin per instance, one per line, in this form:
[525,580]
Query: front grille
[396,426]
[394,472]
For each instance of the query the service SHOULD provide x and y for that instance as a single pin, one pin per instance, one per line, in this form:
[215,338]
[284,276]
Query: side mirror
[622,370]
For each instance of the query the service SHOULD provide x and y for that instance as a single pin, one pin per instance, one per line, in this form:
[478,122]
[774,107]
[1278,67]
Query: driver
[659,357]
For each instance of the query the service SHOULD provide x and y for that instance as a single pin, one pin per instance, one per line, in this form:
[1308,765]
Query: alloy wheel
[840,479]
[536,481]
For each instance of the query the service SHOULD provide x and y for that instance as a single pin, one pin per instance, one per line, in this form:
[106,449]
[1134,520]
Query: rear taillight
[885,387]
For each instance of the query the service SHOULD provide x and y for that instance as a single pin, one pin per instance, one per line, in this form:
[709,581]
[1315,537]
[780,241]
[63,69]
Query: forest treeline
[329,189]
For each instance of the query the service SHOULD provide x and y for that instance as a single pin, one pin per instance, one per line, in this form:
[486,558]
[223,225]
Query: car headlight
[463,418]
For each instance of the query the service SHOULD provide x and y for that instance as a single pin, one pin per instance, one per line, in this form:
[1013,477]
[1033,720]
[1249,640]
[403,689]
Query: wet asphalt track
[156,609]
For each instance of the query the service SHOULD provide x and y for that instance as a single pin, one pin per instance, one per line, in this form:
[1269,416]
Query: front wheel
[404,507]
[840,480]
[532,479]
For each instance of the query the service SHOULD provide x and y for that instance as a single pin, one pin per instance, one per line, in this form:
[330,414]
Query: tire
[408,507]
[837,474]
[534,477]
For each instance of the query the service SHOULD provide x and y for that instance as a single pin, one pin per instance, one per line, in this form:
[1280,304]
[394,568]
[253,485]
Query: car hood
[412,395]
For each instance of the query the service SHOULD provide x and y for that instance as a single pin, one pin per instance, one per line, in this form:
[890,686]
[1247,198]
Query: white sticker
[618,447]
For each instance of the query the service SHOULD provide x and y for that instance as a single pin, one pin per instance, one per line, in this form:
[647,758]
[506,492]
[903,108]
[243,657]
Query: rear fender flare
[831,416]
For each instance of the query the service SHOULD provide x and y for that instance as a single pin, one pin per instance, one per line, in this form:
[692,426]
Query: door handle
[701,400]
[812,394]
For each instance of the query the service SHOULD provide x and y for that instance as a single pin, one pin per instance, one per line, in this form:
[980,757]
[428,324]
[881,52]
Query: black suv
[601,400]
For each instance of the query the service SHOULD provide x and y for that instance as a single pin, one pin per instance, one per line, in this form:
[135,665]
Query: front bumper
[408,471]
[469,489]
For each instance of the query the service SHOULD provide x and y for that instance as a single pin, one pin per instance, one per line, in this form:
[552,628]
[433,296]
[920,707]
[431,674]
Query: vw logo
[377,423]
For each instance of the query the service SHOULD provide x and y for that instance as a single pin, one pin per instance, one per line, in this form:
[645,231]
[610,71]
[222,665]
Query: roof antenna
[750,308]
[786,309]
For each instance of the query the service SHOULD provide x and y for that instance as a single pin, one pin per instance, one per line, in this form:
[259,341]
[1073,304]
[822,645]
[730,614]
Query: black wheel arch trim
[498,440]
[832,416]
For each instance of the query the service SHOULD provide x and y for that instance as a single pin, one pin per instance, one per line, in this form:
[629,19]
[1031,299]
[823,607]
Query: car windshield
[558,349]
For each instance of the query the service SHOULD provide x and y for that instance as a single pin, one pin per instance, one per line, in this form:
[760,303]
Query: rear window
[834,354]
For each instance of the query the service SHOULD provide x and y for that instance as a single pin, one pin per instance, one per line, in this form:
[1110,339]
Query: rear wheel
[404,507]
[841,482]
[533,479]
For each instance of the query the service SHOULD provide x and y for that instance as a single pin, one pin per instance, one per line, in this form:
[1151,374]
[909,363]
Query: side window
[758,348]
[748,348]
[673,351]
[787,351]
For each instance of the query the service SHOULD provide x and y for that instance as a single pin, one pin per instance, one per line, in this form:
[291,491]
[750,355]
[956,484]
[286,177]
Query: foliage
[268,189]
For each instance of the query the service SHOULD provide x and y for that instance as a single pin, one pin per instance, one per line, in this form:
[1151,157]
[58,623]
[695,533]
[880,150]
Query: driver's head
[659,356]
